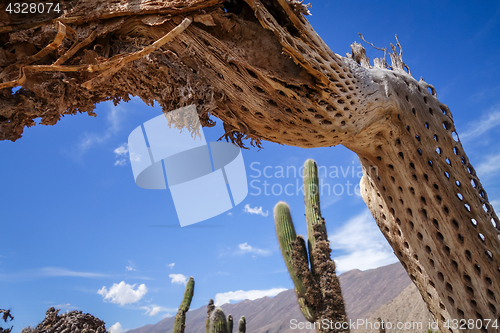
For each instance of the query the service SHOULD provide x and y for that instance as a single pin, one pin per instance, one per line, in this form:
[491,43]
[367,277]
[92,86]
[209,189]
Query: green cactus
[180,318]
[216,319]
[316,283]
[210,309]
[217,323]
[242,325]
[230,324]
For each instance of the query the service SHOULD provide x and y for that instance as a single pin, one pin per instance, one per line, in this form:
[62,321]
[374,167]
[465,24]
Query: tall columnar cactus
[217,322]
[180,318]
[316,283]
[242,325]
[216,319]
[210,309]
[230,323]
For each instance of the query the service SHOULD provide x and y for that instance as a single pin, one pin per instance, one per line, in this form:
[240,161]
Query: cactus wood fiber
[217,322]
[316,283]
[180,318]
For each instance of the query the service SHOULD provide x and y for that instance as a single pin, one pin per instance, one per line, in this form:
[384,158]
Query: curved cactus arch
[259,67]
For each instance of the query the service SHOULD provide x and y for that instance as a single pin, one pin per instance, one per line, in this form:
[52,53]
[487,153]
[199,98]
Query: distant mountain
[408,309]
[379,292]
[366,291]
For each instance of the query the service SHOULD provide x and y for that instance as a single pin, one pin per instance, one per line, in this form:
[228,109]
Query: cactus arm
[312,203]
[242,325]
[218,322]
[230,324]
[180,318]
[286,235]
[305,308]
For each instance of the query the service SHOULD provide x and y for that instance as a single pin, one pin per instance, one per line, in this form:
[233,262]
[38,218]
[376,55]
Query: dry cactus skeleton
[259,67]
[73,321]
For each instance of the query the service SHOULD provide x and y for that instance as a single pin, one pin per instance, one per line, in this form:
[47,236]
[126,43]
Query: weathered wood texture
[260,68]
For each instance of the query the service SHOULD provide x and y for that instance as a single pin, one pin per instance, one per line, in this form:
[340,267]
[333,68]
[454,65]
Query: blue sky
[77,233]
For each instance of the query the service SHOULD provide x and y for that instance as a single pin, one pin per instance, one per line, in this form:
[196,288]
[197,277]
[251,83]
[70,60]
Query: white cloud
[171,265]
[116,328]
[123,293]
[230,214]
[122,155]
[239,295]
[153,310]
[489,166]
[178,278]
[245,248]
[122,150]
[255,210]
[482,126]
[364,245]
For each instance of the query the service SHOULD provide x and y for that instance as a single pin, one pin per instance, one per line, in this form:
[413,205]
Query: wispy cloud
[363,244]
[239,295]
[245,248]
[255,210]
[57,271]
[123,293]
[153,310]
[171,265]
[121,154]
[130,267]
[114,120]
[491,165]
[116,328]
[482,126]
[178,278]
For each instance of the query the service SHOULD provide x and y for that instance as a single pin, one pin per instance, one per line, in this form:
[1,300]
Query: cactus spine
[316,283]
[180,318]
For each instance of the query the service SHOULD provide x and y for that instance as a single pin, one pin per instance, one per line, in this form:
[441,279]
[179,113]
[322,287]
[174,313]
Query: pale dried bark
[260,68]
